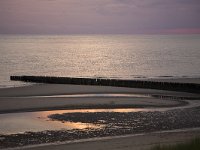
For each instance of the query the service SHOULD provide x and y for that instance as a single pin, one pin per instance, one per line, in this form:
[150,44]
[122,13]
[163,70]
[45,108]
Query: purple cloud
[98,16]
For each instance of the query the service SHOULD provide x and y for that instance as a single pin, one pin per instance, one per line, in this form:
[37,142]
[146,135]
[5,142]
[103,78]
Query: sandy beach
[47,97]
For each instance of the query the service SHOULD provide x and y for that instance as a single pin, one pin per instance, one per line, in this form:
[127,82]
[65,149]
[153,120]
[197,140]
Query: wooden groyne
[171,86]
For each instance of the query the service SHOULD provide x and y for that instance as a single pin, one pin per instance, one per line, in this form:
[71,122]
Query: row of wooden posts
[185,87]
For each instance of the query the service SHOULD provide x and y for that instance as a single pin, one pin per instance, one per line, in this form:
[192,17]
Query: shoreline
[43,89]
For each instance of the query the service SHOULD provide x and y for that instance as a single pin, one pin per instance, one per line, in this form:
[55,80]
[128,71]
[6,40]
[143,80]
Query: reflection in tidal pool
[38,121]
[97,95]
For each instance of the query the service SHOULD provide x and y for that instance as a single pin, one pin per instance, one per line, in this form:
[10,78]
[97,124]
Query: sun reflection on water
[39,121]
[47,113]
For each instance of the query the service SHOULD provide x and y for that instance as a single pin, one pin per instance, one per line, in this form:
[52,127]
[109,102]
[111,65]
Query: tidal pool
[14,123]
[22,129]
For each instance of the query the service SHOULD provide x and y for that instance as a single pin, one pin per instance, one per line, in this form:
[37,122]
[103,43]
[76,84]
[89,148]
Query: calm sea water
[111,56]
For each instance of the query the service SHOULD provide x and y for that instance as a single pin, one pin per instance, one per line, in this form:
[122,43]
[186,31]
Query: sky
[99,16]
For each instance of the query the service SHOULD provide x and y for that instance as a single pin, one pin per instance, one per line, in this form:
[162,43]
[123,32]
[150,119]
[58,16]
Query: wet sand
[54,96]
[21,99]
[127,142]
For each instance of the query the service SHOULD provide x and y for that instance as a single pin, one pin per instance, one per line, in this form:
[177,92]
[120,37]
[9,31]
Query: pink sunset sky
[99,16]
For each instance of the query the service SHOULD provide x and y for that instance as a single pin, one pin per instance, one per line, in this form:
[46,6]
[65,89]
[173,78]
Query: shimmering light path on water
[108,56]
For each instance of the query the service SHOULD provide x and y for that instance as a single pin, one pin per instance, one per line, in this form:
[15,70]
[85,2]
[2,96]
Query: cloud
[97,16]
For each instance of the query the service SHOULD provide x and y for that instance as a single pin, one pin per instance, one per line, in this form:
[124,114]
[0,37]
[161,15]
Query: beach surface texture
[48,97]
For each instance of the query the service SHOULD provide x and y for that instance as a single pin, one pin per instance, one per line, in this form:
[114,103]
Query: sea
[99,56]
